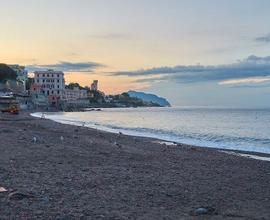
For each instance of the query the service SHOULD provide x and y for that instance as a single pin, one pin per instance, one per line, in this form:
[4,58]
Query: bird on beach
[42,116]
[34,139]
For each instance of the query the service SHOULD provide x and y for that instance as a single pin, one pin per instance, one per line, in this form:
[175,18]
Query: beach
[55,171]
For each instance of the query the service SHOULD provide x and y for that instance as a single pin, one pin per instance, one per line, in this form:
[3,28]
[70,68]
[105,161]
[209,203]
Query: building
[22,74]
[74,94]
[39,97]
[94,85]
[52,84]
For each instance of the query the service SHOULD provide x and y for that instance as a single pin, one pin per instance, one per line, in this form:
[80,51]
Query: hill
[150,98]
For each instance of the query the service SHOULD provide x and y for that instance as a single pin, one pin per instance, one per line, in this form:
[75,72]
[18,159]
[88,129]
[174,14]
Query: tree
[6,73]
[73,85]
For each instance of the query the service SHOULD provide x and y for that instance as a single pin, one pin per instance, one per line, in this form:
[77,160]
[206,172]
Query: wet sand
[55,171]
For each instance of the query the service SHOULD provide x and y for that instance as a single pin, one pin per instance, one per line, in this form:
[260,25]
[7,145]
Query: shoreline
[153,138]
[71,172]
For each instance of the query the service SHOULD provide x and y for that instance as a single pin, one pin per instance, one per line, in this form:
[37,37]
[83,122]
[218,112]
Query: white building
[52,84]
[74,94]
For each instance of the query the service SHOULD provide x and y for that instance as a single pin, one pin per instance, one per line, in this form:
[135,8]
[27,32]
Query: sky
[192,52]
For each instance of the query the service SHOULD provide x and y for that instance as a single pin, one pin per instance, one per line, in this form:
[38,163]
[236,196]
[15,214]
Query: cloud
[263,39]
[252,80]
[252,66]
[67,66]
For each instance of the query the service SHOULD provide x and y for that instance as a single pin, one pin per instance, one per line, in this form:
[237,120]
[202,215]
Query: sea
[223,128]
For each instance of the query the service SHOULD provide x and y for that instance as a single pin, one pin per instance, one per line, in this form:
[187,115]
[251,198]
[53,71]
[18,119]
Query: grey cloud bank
[67,66]
[252,66]
[263,39]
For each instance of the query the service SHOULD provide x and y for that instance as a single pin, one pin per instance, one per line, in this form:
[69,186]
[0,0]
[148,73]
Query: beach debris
[2,189]
[19,196]
[203,211]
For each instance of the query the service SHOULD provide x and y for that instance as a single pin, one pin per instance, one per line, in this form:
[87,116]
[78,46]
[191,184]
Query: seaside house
[75,97]
[52,85]
[74,94]
[38,97]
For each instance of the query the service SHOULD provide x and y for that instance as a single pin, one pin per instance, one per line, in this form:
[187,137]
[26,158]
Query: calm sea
[238,129]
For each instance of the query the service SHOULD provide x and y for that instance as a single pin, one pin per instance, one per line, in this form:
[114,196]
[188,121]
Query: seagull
[34,139]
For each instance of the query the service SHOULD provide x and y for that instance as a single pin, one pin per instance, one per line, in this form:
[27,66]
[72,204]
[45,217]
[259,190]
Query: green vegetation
[124,100]
[98,99]
[74,85]
[6,73]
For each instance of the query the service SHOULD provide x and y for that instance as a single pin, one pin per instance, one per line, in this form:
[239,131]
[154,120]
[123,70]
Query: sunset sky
[193,52]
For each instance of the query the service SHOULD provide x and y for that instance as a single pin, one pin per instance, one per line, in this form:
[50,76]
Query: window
[58,81]
[57,75]
[48,75]
[37,75]
[58,86]
[38,81]
[43,75]
[52,92]
[48,92]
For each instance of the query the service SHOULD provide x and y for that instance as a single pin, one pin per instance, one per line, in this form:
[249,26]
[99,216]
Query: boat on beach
[8,102]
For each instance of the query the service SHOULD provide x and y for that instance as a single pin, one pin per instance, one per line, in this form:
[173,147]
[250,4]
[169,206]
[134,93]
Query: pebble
[2,189]
[203,211]
[39,212]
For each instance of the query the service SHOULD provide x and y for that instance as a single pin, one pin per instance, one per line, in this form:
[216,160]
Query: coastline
[82,173]
[234,129]
[241,153]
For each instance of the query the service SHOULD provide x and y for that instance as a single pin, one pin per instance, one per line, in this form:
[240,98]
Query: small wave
[200,138]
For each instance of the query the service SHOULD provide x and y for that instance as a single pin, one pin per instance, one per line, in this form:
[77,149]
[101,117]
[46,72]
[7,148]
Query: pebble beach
[54,171]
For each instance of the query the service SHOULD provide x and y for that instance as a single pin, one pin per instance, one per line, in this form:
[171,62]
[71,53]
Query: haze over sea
[237,129]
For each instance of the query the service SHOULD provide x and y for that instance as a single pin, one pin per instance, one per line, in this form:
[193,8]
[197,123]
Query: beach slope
[54,171]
